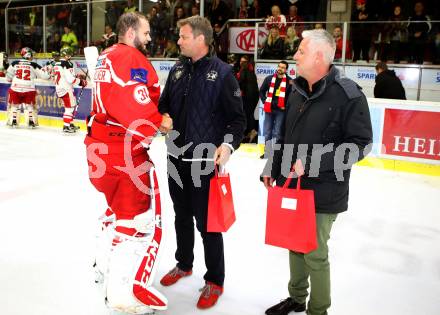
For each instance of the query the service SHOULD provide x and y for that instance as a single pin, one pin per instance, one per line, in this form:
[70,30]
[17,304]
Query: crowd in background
[408,37]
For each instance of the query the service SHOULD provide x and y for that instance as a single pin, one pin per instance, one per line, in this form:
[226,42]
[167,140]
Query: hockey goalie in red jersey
[122,123]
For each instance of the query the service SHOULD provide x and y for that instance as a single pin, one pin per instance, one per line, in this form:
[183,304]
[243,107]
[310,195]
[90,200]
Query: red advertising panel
[242,39]
[412,133]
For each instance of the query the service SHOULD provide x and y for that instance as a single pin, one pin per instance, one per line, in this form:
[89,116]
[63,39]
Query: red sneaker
[210,294]
[173,276]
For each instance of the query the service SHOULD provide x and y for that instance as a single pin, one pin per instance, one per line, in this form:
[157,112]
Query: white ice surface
[384,252]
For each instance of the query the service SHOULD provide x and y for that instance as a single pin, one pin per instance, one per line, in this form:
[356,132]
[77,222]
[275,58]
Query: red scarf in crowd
[268,102]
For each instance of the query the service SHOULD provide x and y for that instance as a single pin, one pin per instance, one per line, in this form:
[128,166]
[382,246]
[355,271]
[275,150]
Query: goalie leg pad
[132,262]
[29,113]
[104,239]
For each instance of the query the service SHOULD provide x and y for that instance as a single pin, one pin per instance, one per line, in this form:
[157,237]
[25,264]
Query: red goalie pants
[125,186]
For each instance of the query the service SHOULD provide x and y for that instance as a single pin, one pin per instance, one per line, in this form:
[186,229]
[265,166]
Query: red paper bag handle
[289,179]
[216,167]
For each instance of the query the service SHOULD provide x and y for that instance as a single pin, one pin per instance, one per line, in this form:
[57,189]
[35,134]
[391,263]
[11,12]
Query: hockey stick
[91,54]
[86,73]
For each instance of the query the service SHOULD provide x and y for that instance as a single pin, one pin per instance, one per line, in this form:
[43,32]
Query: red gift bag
[221,214]
[290,220]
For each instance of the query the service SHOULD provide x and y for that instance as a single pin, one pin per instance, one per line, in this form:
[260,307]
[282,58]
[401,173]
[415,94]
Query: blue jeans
[272,125]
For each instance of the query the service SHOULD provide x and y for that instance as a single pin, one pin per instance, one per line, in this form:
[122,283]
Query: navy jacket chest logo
[212,75]
[178,74]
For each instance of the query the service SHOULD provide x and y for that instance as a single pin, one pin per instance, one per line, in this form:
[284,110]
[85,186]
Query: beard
[139,46]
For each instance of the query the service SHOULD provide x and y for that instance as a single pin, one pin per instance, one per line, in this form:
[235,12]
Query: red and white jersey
[126,89]
[64,77]
[22,73]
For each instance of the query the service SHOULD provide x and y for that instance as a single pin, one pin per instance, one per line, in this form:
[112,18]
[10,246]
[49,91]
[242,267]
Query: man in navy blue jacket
[203,98]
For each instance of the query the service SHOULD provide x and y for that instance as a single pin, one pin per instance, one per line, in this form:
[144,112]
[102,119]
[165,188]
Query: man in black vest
[203,98]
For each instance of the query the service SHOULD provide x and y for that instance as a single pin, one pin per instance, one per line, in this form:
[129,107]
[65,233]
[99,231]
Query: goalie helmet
[27,53]
[66,52]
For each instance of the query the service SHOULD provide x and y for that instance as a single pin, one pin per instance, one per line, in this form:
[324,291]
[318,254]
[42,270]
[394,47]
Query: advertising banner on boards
[411,133]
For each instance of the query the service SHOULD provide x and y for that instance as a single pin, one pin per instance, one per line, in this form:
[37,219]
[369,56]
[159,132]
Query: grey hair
[199,26]
[322,41]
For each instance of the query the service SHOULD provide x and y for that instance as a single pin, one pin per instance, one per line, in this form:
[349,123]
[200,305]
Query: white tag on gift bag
[289,203]
[225,191]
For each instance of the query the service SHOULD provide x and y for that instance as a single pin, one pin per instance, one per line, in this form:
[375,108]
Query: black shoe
[263,156]
[14,123]
[285,307]
[31,124]
[74,127]
[69,129]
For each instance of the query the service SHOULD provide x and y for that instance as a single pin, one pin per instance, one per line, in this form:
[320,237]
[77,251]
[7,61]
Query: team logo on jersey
[139,75]
[212,75]
[101,62]
[141,95]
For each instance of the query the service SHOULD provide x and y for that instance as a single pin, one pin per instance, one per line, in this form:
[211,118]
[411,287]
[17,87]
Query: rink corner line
[47,121]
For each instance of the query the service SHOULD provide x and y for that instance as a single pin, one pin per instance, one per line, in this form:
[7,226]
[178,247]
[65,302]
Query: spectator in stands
[171,6]
[54,42]
[35,23]
[69,39]
[219,12]
[179,14]
[249,94]
[186,5]
[220,42]
[361,32]
[255,7]
[274,45]
[171,50]
[245,11]
[293,19]
[109,38]
[419,26]
[278,20]
[397,34]
[337,35]
[388,85]
[78,22]
[62,16]
[291,42]
[130,7]
[195,10]
[159,30]
[112,14]
[35,17]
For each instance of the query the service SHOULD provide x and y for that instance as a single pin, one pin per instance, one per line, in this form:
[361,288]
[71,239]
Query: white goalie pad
[129,264]
[104,239]
[33,110]
[9,115]
[130,276]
